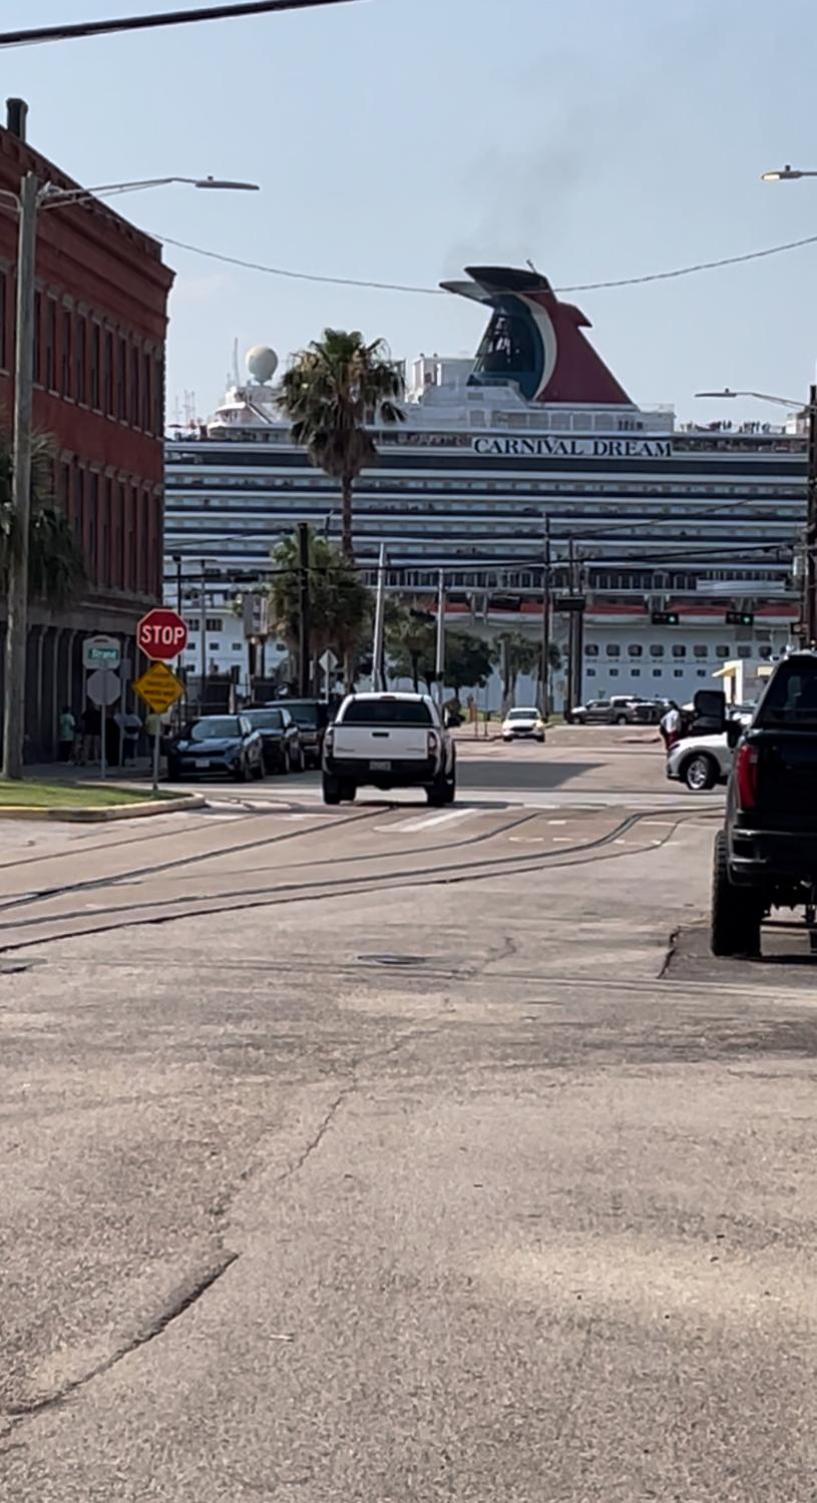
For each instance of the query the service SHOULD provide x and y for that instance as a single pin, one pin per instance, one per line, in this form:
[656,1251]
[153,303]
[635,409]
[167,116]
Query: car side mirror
[710,705]
[734,731]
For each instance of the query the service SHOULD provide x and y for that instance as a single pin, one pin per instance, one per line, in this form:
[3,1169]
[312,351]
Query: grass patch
[36,795]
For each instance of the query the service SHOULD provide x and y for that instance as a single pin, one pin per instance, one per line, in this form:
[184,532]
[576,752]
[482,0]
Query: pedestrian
[670,727]
[66,732]
[91,733]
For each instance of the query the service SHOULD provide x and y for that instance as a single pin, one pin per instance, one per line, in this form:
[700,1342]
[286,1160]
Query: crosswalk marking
[426,821]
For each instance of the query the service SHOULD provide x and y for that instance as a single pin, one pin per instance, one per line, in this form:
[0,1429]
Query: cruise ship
[678,540]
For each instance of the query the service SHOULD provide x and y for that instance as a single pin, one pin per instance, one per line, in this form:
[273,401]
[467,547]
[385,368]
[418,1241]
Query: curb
[104,816]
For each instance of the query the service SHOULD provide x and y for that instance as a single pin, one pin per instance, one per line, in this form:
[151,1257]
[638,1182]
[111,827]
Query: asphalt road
[389,1154]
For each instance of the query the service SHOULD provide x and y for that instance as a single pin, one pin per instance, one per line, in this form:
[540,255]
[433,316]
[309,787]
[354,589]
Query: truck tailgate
[381,743]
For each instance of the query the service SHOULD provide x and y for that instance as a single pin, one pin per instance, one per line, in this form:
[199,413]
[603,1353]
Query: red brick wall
[99,371]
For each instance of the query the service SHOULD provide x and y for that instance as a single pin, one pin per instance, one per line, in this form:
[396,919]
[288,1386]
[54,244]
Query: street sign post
[160,689]
[103,688]
[162,634]
[328,663]
[101,652]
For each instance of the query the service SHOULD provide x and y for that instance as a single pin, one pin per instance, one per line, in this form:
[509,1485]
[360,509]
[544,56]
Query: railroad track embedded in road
[168,910]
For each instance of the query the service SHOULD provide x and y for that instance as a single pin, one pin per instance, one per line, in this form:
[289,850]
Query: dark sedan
[217,743]
[311,717]
[281,739]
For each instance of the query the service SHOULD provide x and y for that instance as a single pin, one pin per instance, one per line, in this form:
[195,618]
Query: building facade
[100,328]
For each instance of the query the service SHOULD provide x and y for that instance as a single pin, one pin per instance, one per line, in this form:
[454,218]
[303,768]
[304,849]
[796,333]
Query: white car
[700,762]
[523,722]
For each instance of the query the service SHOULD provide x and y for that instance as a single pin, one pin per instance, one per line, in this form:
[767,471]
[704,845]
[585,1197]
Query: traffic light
[665,618]
[740,618]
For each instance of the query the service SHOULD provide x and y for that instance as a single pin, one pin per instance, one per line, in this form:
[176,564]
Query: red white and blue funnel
[535,342]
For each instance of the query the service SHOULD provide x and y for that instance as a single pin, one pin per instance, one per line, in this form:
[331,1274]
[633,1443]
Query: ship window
[635,650]
[677,672]
[679,650]
[744,650]
[656,651]
[722,650]
[701,672]
[700,650]
[591,672]
[613,650]
[614,673]
[656,672]
[635,673]
[591,650]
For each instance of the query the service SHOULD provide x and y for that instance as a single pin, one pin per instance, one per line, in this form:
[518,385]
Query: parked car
[390,741]
[766,854]
[620,709]
[311,717]
[217,743]
[281,739]
[521,722]
[700,761]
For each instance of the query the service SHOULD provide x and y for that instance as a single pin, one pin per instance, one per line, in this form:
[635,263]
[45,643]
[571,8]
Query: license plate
[202,762]
[381,766]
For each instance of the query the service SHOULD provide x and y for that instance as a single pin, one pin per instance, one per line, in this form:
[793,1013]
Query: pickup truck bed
[388,741]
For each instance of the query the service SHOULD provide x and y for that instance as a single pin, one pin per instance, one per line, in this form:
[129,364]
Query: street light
[33,197]
[809,407]
[785,174]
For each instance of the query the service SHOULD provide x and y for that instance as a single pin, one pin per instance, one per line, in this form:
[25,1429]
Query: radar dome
[262,362]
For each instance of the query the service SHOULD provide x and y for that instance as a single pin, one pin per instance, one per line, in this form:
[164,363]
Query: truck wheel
[621,720]
[347,791]
[736,915]
[441,791]
[700,773]
[331,790]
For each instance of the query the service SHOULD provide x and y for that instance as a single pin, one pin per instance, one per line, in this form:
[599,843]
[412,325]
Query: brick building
[101,318]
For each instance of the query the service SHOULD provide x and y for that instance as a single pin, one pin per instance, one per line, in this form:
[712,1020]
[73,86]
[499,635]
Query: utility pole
[810,572]
[439,664]
[303,609]
[544,672]
[379,623]
[571,629]
[17,600]
[203,633]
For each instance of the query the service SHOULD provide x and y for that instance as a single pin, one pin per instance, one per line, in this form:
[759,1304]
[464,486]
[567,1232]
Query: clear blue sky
[397,139]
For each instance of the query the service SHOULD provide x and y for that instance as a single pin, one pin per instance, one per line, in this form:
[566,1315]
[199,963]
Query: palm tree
[340,607]
[56,566]
[334,388]
[515,654]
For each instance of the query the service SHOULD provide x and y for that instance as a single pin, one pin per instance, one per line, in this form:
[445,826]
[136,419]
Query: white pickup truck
[388,741]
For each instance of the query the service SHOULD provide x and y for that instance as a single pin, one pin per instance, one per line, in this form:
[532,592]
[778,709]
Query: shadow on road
[475,773]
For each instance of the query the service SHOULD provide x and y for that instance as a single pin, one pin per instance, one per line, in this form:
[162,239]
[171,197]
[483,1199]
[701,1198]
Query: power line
[228,12]
[382,286]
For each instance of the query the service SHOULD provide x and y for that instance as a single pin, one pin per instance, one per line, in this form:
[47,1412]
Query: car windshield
[266,720]
[304,714]
[387,712]
[522,714]
[215,728]
[791,698]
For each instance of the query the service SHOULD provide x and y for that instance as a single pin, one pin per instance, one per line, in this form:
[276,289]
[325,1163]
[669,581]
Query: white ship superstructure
[682,538]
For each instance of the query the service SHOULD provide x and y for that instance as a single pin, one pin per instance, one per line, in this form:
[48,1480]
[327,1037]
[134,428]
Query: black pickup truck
[766,854]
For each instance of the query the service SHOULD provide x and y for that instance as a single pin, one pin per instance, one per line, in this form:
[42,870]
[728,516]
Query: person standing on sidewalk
[670,727]
[67,731]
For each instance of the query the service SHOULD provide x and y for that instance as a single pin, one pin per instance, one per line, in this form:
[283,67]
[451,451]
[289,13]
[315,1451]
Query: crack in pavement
[323,1128]
[185,1296]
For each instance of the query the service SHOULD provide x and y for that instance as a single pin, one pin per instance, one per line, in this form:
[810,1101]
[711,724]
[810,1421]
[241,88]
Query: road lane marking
[557,821]
[427,820]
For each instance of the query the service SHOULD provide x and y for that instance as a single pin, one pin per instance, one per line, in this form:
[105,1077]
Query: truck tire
[736,915]
[621,720]
[331,789]
[700,772]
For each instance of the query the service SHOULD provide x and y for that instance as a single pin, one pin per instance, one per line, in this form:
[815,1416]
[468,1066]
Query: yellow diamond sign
[159,688]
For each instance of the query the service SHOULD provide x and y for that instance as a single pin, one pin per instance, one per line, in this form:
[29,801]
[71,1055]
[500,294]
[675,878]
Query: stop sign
[161,634]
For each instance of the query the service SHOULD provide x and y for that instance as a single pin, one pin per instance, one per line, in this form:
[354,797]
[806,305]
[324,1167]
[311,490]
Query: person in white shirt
[670,727]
